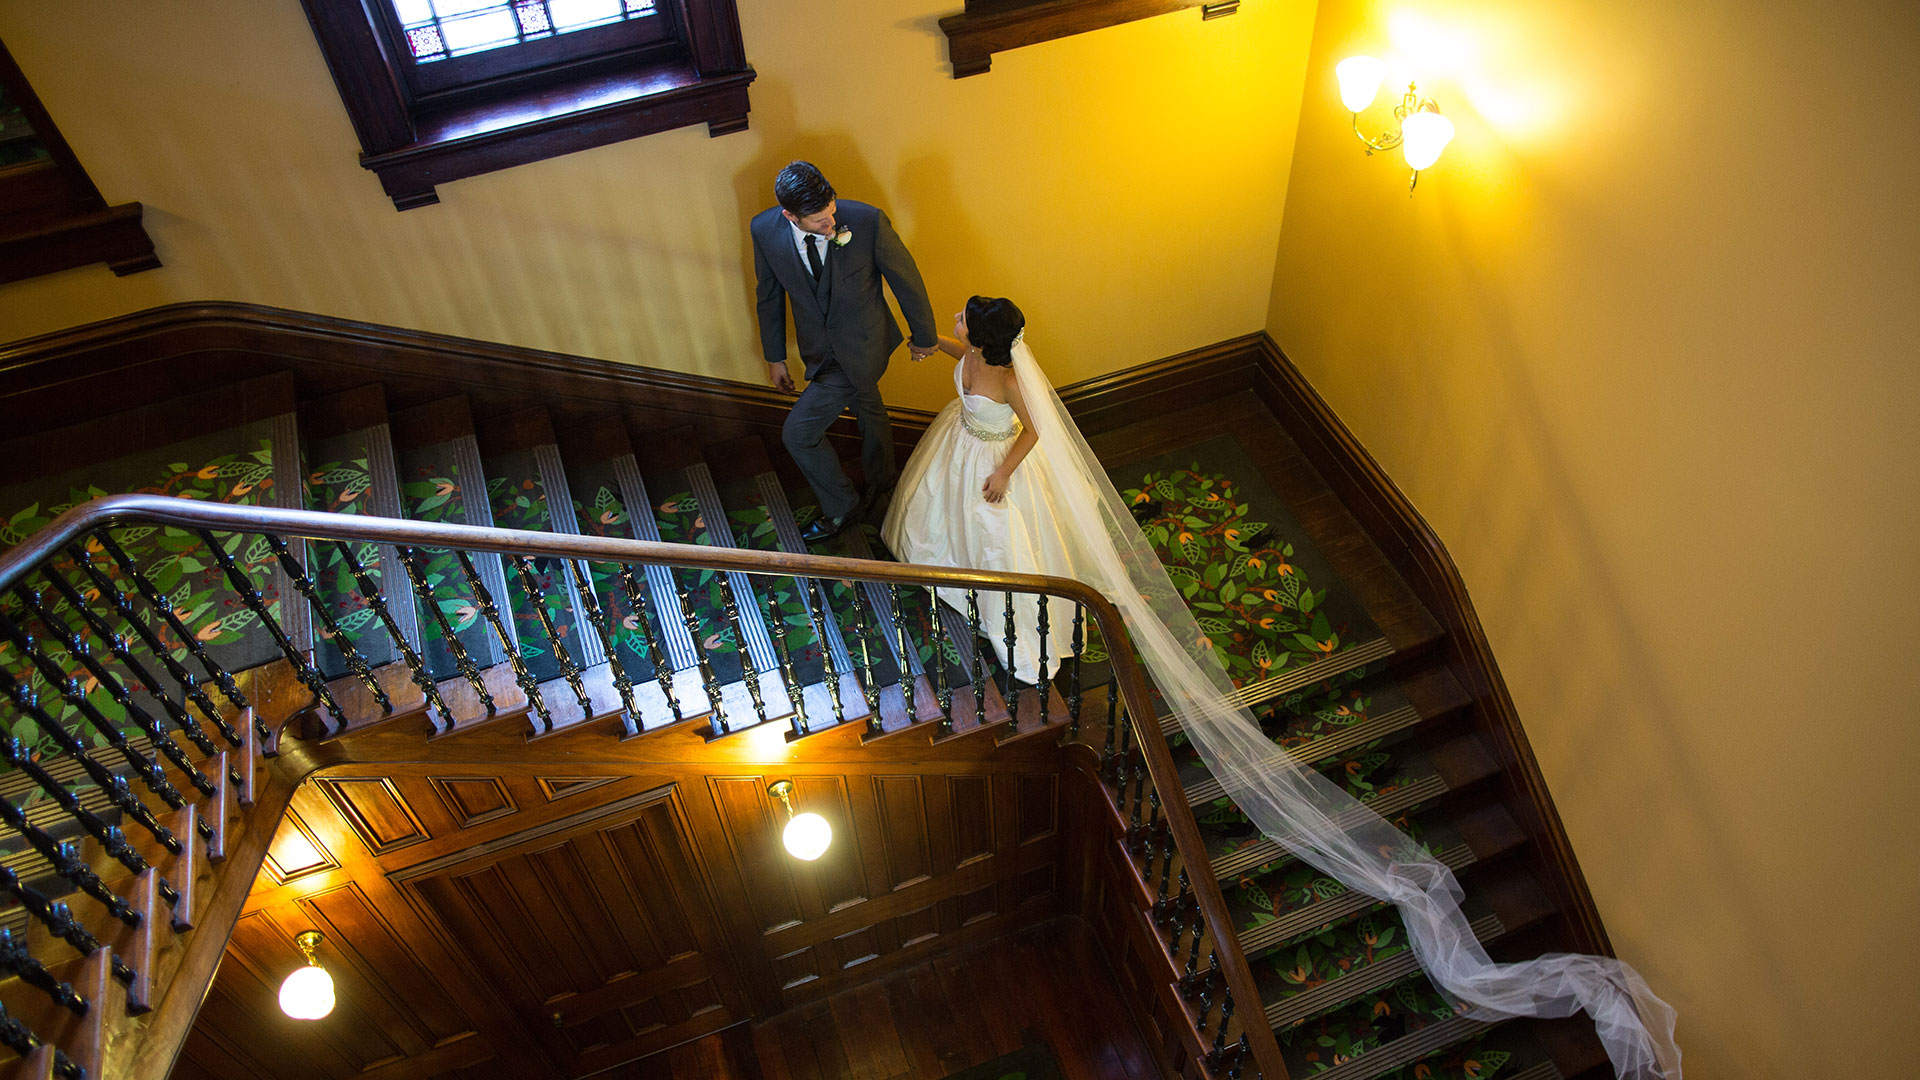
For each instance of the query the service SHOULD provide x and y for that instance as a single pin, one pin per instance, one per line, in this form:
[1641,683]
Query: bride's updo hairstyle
[992,325]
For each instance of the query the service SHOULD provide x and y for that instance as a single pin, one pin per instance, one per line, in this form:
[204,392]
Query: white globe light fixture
[1421,132]
[1360,78]
[807,835]
[307,994]
[1423,136]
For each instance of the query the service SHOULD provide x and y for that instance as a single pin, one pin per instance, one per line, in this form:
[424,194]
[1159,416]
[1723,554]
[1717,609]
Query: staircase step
[1420,777]
[1354,659]
[82,1038]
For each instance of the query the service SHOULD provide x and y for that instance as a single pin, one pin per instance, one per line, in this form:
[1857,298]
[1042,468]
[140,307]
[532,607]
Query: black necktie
[813,254]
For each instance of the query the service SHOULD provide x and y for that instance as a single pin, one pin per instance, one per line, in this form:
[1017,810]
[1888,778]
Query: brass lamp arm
[1409,104]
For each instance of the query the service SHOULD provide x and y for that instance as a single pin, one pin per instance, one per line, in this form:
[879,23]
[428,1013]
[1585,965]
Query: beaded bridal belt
[987,434]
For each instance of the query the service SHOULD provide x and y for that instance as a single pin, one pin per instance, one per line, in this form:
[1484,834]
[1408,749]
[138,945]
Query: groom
[828,258]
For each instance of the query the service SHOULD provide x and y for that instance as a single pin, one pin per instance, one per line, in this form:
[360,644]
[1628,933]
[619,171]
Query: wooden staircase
[588,581]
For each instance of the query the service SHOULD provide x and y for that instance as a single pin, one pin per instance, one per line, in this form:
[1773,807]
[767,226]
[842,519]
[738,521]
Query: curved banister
[1130,680]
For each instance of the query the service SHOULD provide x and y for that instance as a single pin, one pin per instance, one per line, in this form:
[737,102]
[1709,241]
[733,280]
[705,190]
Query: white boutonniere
[842,236]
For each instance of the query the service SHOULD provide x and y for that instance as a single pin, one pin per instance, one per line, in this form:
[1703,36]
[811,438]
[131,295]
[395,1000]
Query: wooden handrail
[78,521]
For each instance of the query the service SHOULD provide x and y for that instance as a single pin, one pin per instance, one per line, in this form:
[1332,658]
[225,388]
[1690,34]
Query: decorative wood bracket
[990,26]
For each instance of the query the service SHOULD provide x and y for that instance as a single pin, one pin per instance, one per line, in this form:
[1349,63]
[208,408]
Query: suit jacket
[843,318]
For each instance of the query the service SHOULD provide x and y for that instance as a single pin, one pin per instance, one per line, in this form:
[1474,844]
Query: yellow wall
[1041,181]
[1643,350]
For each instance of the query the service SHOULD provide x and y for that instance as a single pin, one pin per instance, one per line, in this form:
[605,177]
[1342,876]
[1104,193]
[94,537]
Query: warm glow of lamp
[307,994]
[1425,134]
[807,835]
[1360,78]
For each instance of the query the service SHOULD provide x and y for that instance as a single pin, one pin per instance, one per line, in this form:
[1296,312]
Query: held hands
[777,374]
[919,353]
[995,487]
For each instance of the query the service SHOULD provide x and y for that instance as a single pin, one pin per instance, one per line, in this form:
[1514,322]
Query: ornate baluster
[582,578]
[15,958]
[1116,732]
[58,918]
[1073,673]
[411,561]
[1166,851]
[794,689]
[818,628]
[1148,831]
[979,658]
[114,786]
[117,645]
[662,664]
[148,770]
[708,680]
[1196,925]
[569,670]
[730,606]
[23,1042]
[1220,1033]
[1013,667]
[111,839]
[907,650]
[416,667]
[868,689]
[189,685]
[1167,911]
[159,603]
[302,584]
[491,613]
[942,684]
[250,596]
[1044,683]
[67,862]
[117,690]
[1133,807]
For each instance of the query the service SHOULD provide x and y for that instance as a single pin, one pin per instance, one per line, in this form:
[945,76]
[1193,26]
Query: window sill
[549,121]
[113,236]
[990,26]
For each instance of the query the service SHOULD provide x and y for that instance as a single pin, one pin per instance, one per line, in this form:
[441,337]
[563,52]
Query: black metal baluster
[1220,1034]
[979,658]
[1073,673]
[708,680]
[1167,852]
[730,607]
[868,689]
[1134,806]
[309,676]
[189,686]
[942,683]
[907,650]
[115,786]
[79,650]
[581,576]
[662,664]
[1044,680]
[794,689]
[1196,925]
[146,768]
[416,667]
[302,584]
[1168,911]
[111,839]
[818,628]
[491,613]
[569,670]
[1112,759]
[159,603]
[17,1038]
[58,918]
[415,566]
[66,862]
[1148,831]
[1012,634]
[15,958]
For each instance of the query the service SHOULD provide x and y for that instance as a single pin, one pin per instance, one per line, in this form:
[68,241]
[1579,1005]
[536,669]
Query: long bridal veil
[1300,809]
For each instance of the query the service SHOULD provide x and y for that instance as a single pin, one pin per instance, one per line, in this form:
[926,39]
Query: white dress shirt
[800,244]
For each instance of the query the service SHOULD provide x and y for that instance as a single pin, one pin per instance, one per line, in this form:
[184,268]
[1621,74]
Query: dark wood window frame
[990,26]
[586,97]
[52,217]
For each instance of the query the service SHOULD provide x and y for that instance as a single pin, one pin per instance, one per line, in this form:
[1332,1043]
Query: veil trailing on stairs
[1298,808]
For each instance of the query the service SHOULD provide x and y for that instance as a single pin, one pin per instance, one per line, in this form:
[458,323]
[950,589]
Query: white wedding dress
[939,517]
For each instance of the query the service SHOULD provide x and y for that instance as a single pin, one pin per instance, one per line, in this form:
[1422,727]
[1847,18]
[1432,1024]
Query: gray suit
[846,333]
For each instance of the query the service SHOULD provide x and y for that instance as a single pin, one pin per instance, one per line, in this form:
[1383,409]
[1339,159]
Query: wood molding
[1411,545]
[990,26]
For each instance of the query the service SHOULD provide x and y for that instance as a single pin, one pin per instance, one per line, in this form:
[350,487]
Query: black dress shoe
[825,528]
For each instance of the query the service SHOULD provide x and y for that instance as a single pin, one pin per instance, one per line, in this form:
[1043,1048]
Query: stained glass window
[438,29]
[18,143]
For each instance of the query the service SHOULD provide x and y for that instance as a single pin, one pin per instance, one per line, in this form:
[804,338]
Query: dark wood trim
[52,216]
[990,26]
[1422,560]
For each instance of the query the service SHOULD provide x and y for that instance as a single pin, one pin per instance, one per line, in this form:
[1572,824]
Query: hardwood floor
[1049,984]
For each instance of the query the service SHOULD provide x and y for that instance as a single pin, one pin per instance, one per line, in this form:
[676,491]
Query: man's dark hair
[802,190]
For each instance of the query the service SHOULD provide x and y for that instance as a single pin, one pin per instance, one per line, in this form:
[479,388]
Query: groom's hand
[777,374]
[920,353]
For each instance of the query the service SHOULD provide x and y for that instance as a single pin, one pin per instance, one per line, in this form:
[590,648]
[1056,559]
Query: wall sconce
[1423,133]
[807,835]
[308,992]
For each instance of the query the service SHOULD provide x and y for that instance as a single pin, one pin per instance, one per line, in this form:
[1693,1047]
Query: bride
[1004,481]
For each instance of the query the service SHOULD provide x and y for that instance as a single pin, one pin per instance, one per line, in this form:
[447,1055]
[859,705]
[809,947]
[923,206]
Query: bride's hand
[995,488]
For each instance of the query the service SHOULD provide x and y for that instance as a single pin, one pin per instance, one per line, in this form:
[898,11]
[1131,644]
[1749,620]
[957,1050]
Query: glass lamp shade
[1359,80]
[1424,134]
[807,836]
[307,994]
